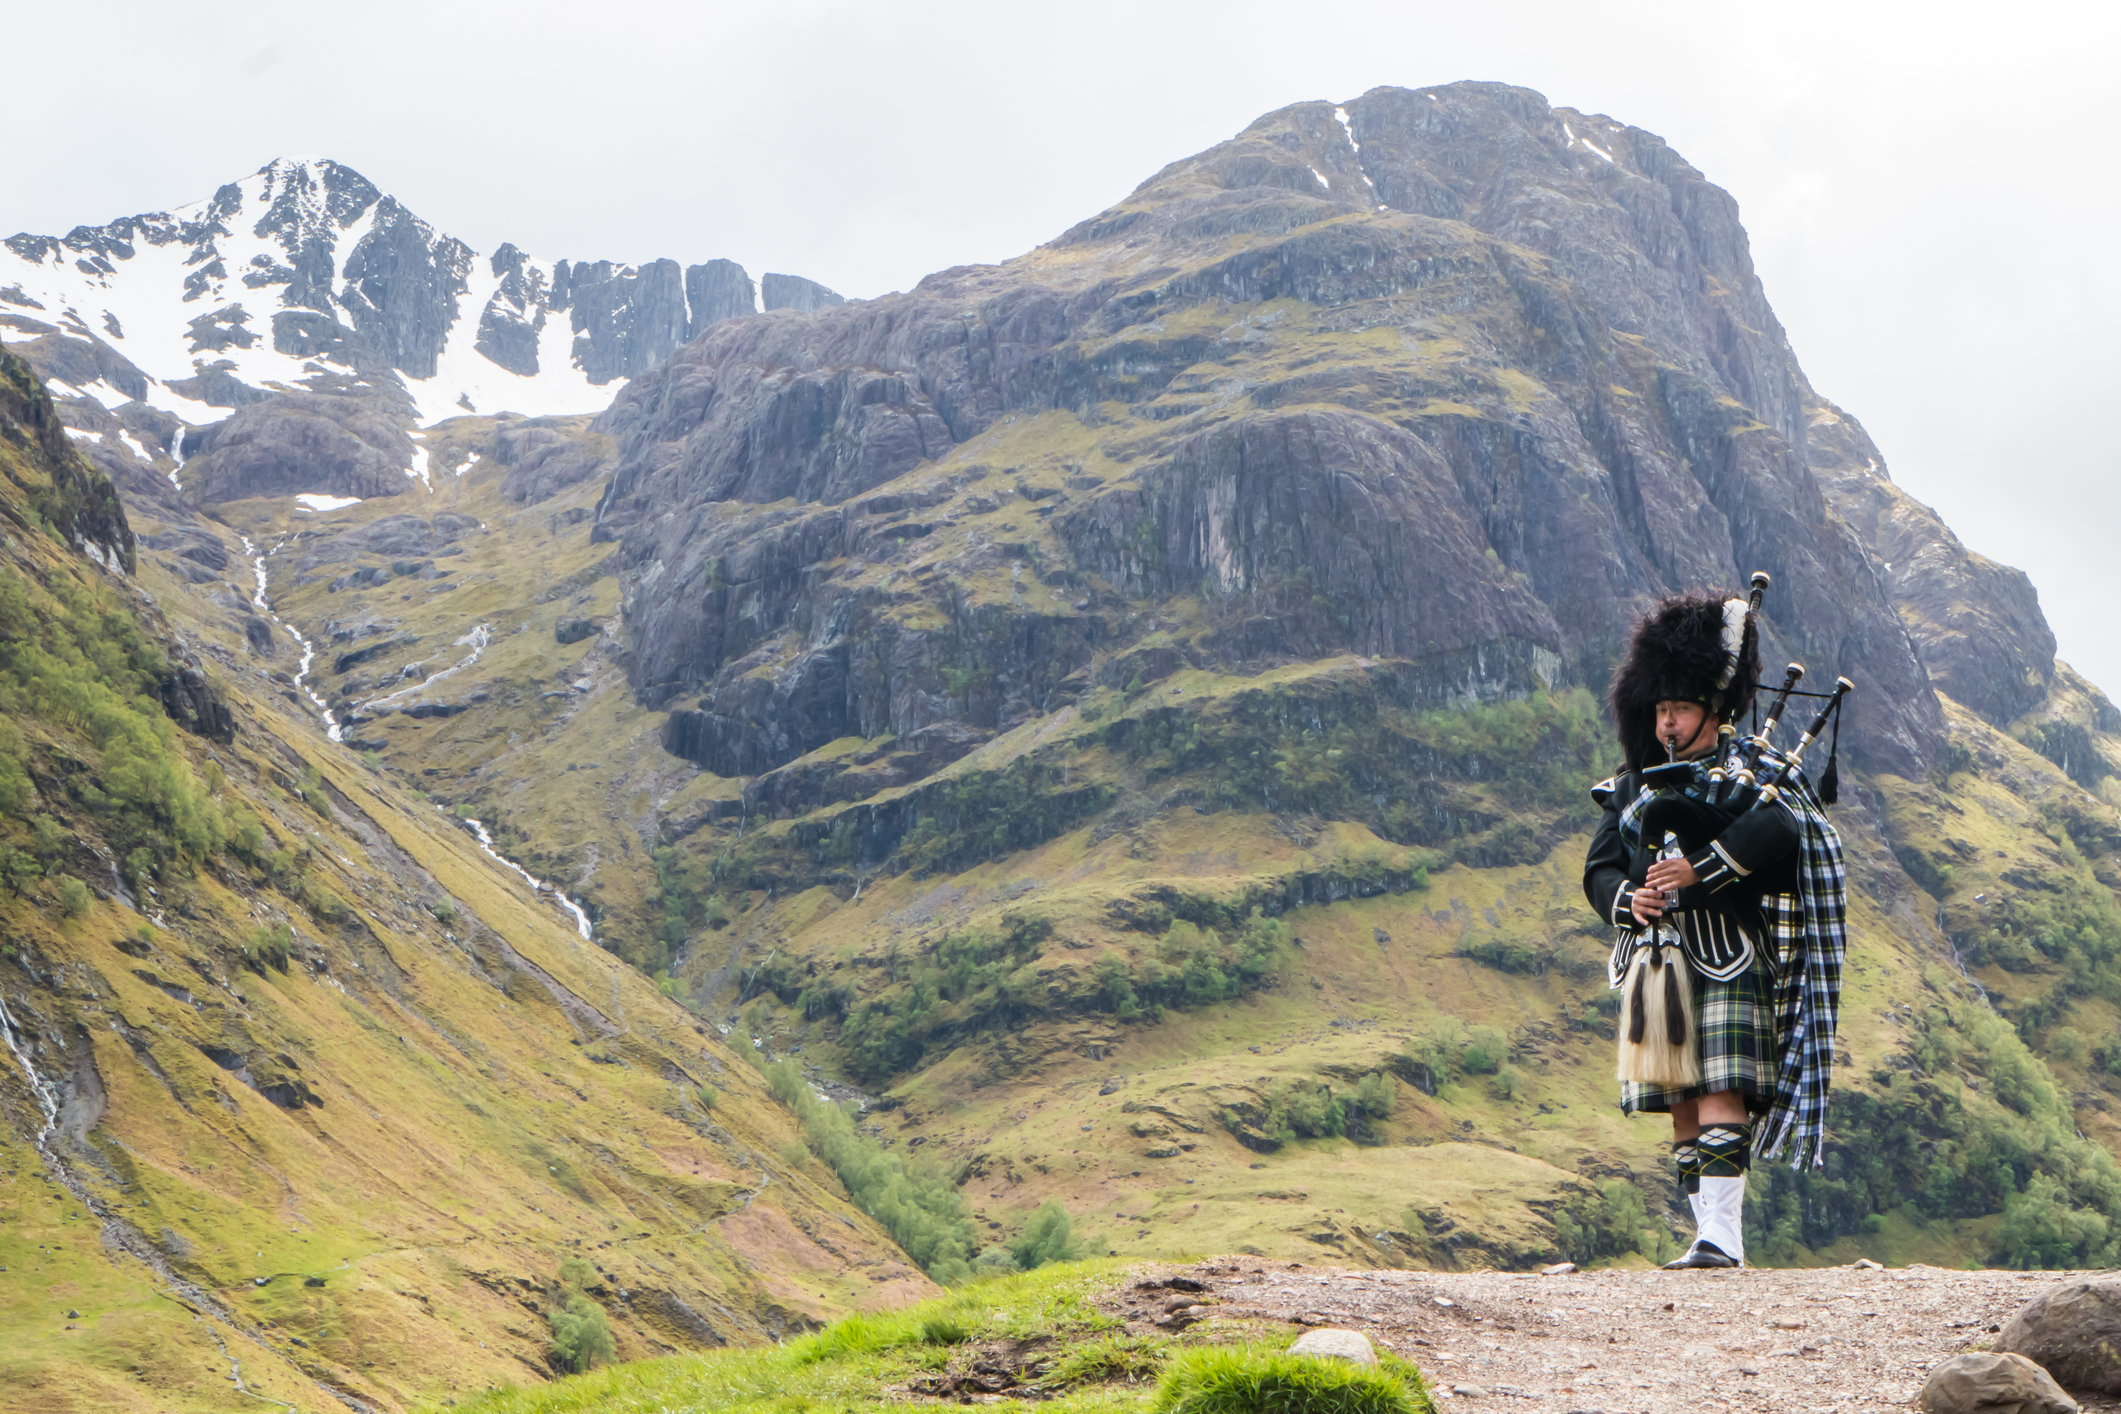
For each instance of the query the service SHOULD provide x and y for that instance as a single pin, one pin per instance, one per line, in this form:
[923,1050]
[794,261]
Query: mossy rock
[574,630]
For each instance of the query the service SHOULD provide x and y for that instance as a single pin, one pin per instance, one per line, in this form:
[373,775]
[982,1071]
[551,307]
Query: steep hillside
[1129,710]
[305,1094]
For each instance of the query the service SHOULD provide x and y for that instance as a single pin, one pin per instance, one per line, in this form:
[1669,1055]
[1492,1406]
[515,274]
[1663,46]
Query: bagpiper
[1715,862]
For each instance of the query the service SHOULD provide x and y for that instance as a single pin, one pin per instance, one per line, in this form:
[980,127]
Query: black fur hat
[1681,652]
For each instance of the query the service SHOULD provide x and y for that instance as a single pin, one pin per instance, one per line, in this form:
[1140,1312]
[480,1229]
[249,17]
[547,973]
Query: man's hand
[1648,906]
[1667,874]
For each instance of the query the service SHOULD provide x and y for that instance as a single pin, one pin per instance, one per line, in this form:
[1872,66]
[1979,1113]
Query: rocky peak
[1447,376]
[306,274]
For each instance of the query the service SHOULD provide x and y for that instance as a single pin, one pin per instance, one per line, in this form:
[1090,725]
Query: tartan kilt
[1734,1025]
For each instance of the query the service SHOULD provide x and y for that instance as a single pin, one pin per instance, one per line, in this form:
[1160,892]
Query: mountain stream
[309,654]
[476,640]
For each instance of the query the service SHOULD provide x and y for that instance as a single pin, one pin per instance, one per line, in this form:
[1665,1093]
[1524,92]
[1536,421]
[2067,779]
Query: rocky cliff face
[306,277]
[1450,376]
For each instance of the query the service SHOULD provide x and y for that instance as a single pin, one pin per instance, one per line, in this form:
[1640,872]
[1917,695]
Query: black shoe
[1702,1254]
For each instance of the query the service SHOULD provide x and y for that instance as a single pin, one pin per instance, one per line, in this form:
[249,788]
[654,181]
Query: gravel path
[1834,1340]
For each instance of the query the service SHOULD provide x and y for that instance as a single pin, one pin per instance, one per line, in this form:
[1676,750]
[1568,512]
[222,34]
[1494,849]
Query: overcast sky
[1930,188]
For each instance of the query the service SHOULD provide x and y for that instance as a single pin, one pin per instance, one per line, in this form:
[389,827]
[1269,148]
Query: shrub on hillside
[1304,1109]
[1610,1221]
[921,1209]
[581,1334]
[1485,1049]
[77,661]
[1048,1237]
[75,897]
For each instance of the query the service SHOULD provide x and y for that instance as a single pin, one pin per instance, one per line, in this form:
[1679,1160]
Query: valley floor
[1091,1338]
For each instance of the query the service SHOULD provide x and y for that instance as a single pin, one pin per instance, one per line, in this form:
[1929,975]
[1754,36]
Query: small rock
[1779,1325]
[1865,1264]
[1470,1391]
[1352,1346]
[2074,1331]
[73,1315]
[1982,1382]
[1443,1301]
[1559,1269]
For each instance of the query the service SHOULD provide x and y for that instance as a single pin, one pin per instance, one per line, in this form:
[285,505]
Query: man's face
[1687,726]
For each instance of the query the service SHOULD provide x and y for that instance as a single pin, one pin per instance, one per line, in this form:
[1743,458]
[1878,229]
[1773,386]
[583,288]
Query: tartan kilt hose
[1734,1026]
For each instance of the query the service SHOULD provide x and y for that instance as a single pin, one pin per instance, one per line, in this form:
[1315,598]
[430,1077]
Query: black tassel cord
[1830,778]
[1674,1015]
[1636,1020]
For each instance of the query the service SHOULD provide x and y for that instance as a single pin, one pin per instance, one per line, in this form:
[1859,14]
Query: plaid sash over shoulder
[1811,929]
[1809,932]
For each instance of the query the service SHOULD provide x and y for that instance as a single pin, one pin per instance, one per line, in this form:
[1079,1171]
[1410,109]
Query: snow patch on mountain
[304,276]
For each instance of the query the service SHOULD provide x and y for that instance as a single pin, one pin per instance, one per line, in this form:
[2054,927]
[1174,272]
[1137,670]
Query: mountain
[1156,675]
[1124,715]
[306,276]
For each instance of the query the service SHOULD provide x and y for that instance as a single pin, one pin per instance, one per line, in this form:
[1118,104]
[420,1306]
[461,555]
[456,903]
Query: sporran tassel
[1657,1029]
[1675,1007]
[1636,1009]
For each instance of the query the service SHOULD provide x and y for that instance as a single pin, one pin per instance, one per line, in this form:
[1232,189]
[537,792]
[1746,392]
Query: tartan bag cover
[1812,927]
[1810,931]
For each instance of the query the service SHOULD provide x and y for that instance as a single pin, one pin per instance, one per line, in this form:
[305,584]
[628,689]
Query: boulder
[574,630]
[1351,1346]
[295,442]
[543,460]
[2075,1332]
[1983,1382]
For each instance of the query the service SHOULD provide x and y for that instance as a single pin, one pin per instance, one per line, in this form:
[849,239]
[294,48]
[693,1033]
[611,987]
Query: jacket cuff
[1714,869]
[1623,909]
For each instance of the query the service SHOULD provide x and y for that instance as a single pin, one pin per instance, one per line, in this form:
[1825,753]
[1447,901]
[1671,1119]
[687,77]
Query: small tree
[1374,1096]
[74,896]
[1487,1047]
[581,1334]
[46,839]
[1048,1237]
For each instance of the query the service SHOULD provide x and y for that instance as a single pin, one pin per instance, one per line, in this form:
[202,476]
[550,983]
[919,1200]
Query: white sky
[1930,188]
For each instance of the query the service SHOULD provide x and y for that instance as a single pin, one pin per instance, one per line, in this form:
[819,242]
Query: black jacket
[1754,856]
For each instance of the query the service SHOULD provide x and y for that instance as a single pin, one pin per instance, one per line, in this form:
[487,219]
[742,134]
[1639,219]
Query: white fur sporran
[1658,1043]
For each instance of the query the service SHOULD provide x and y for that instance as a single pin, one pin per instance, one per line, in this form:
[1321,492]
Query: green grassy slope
[335,1094]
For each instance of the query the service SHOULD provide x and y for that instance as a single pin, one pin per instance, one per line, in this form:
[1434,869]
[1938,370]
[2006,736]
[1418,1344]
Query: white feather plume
[1733,640]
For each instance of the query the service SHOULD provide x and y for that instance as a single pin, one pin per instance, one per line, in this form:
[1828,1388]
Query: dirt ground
[1834,1340]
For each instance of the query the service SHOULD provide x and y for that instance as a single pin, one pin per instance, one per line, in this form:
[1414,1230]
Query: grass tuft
[1113,1358]
[1249,1379]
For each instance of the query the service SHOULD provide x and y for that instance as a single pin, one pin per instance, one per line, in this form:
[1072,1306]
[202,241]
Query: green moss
[1248,1379]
